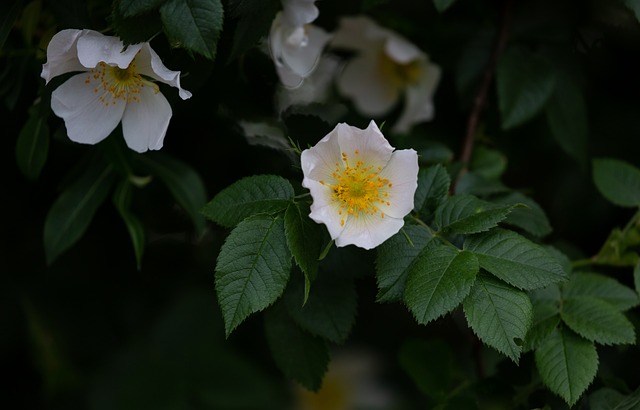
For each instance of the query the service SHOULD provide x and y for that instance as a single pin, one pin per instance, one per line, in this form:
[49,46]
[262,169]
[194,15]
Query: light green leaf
[596,320]
[129,8]
[194,24]
[122,200]
[301,356]
[567,364]
[182,181]
[252,269]
[249,196]
[618,181]
[525,82]
[438,281]
[466,214]
[531,218]
[330,311]
[567,117]
[601,287]
[72,212]
[433,188]
[499,314]
[515,259]
[304,238]
[442,5]
[32,146]
[394,258]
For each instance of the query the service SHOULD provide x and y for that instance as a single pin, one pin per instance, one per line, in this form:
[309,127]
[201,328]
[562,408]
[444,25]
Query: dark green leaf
[136,29]
[122,200]
[252,269]
[433,188]
[254,18]
[9,12]
[531,217]
[184,183]
[32,146]
[438,281]
[636,277]
[600,287]
[474,184]
[304,237]
[301,356]
[499,314]
[466,214]
[608,399]
[394,258]
[525,82]
[249,196]
[442,5]
[130,8]
[72,212]
[194,24]
[596,320]
[488,163]
[546,318]
[515,259]
[618,181]
[567,364]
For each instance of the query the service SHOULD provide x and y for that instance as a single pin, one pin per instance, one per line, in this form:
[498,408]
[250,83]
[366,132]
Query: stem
[480,99]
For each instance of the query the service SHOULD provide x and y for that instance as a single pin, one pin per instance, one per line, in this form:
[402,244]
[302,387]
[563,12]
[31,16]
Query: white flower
[294,43]
[361,188]
[114,86]
[385,68]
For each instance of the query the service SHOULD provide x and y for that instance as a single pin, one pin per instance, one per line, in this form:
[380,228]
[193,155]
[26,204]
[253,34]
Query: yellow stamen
[400,74]
[115,83]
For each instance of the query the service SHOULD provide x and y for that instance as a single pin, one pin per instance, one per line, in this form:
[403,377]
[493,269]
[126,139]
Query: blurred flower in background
[386,66]
[361,188]
[295,44]
[115,85]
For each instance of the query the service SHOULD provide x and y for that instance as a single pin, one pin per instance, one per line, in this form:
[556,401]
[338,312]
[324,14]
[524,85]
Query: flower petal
[371,146]
[368,231]
[358,33]
[145,123]
[418,105]
[62,54]
[323,210]
[400,50]
[94,47]
[299,12]
[402,171]
[319,162]
[362,81]
[87,118]
[149,63]
[302,59]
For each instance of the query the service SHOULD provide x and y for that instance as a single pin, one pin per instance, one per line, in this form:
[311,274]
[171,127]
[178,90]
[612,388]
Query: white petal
[94,47]
[62,54]
[145,123]
[304,58]
[400,50]
[87,118]
[358,33]
[315,88]
[323,210]
[299,12]
[418,106]
[319,162]
[149,63]
[372,147]
[402,172]
[372,93]
[368,231]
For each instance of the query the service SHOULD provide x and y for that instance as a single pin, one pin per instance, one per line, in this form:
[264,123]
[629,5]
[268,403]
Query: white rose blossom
[386,67]
[114,85]
[295,44]
[361,188]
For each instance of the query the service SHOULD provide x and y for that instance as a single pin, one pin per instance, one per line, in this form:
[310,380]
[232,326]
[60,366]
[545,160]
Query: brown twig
[480,99]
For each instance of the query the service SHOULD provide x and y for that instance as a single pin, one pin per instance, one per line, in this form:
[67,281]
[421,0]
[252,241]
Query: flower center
[358,189]
[118,84]
[401,74]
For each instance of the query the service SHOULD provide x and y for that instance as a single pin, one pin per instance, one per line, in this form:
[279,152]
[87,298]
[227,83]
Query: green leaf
[499,314]
[567,364]
[433,188]
[130,8]
[249,196]
[466,214]
[596,320]
[394,258]
[122,200]
[442,5]
[567,117]
[531,218]
[32,146]
[301,356]
[252,269]
[135,29]
[525,82]
[618,181]
[636,277]
[194,24]
[438,281]
[184,183]
[330,310]
[9,12]
[488,163]
[608,399]
[304,238]
[634,6]
[515,259]
[72,212]
[434,152]
[254,18]
[474,184]
[546,318]
[601,287]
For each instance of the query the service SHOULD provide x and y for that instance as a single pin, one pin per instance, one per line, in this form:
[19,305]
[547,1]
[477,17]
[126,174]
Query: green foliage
[466,214]
[607,398]
[130,8]
[442,5]
[253,19]
[122,198]
[433,186]
[596,320]
[304,238]
[530,217]
[618,181]
[32,146]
